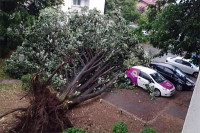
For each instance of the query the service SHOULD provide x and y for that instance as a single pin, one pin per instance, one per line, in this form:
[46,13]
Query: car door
[187,67]
[179,63]
[143,79]
[169,74]
[160,69]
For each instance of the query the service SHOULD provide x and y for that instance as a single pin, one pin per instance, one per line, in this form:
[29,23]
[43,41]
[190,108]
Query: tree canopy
[57,35]
[127,7]
[15,16]
[175,26]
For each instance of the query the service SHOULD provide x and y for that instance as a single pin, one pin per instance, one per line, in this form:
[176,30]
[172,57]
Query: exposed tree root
[45,113]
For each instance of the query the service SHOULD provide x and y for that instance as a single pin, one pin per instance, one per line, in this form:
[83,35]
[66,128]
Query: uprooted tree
[93,49]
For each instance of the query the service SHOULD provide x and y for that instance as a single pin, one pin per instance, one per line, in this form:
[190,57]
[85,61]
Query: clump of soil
[45,113]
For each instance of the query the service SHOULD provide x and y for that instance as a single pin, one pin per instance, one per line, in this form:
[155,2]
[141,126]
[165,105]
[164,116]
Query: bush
[122,83]
[26,81]
[120,128]
[148,130]
[3,75]
[74,130]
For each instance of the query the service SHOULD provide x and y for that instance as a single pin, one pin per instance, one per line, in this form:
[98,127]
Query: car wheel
[179,87]
[128,80]
[157,93]
[195,74]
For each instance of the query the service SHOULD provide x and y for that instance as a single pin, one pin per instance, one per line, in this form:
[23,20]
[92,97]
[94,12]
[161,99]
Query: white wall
[192,121]
[98,4]
[67,5]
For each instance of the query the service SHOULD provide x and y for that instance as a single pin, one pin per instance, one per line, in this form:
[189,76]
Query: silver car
[184,64]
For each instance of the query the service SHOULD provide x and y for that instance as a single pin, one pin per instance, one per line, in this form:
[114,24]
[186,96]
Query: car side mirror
[191,66]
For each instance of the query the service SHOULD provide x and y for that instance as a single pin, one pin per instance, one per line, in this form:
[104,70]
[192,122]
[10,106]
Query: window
[160,68]
[179,73]
[76,2]
[186,63]
[167,70]
[178,61]
[144,75]
[157,77]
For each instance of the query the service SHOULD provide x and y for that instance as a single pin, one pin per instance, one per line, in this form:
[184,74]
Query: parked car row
[175,75]
[164,77]
[184,64]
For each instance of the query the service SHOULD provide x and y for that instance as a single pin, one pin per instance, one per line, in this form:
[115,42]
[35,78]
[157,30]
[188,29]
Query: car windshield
[179,73]
[157,77]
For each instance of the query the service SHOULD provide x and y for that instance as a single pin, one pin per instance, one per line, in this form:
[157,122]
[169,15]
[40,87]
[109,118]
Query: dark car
[175,75]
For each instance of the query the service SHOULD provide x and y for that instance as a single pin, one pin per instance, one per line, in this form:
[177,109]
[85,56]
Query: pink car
[143,76]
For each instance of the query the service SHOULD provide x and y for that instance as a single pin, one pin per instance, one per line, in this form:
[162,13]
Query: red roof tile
[149,2]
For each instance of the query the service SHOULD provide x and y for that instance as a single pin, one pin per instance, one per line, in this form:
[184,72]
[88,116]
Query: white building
[77,4]
[192,121]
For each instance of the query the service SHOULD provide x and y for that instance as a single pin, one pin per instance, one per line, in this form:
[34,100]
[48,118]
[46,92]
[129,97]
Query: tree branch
[55,71]
[12,111]
[92,95]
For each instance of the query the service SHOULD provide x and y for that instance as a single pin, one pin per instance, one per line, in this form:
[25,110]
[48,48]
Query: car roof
[145,69]
[165,65]
[182,58]
[178,57]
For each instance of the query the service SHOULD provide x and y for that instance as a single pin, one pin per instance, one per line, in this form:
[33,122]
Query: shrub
[148,130]
[3,75]
[26,81]
[74,130]
[120,128]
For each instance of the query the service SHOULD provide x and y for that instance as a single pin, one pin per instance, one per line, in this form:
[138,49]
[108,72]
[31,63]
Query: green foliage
[151,91]
[120,127]
[74,130]
[57,35]
[138,57]
[3,75]
[122,83]
[15,17]
[175,28]
[148,130]
[124,86]
[140,36]
[26,81]
[143,19]
[127,7]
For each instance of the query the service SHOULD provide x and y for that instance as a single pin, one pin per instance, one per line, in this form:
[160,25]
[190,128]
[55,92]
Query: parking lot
[153,51]
[166,114]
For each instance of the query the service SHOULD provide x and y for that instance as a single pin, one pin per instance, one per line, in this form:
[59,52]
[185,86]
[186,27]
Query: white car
[143,76]
[144,32]
[184,64]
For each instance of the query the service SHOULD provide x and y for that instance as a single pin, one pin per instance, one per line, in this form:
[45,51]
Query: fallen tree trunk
[47,112]
[44,114]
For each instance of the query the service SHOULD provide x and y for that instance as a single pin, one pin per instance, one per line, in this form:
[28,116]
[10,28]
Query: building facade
[142,4]
[70,5]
